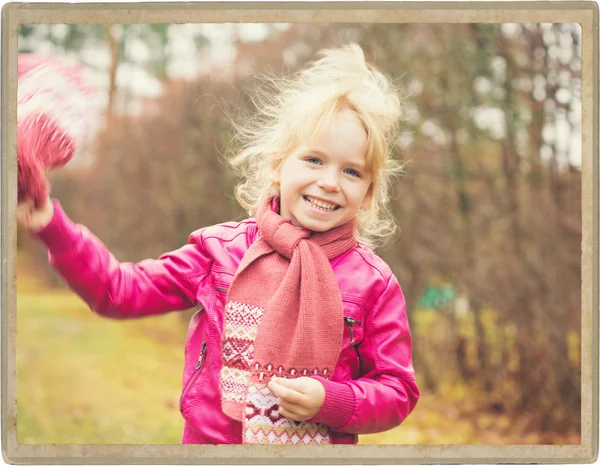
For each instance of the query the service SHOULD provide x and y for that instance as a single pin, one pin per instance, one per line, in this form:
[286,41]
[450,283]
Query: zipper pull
[351,322]
[201,356]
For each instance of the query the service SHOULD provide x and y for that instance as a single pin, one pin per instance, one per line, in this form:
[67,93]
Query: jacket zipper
[351,322]
[197,368]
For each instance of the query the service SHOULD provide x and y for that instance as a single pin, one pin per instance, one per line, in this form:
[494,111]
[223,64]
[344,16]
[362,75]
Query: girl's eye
[313,160]
[353,173]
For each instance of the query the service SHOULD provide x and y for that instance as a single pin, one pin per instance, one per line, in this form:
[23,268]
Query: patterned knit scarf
[283,317]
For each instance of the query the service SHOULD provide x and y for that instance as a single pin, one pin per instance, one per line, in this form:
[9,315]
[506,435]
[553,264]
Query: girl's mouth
[320,205]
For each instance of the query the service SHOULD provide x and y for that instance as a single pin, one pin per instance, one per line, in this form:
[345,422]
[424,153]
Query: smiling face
[324,183]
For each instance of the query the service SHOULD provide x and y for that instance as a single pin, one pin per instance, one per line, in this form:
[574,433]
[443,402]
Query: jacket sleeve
[122,290]
[386,392]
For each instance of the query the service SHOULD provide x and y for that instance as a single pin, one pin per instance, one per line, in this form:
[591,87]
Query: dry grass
[85,379]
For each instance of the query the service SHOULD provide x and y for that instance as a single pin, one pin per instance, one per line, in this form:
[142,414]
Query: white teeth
[321,204]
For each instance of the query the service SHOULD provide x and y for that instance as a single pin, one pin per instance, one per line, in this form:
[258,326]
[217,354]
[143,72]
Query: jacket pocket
[353,324]
[194,323]
[354,317]
[221,289]
[195,374]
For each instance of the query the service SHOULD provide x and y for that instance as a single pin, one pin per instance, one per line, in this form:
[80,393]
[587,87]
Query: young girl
[302,335]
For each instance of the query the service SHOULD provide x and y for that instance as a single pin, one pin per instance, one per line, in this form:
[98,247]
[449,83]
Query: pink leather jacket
[373,386]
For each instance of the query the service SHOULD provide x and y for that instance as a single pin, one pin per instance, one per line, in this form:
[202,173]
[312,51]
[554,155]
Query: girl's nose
[329,183]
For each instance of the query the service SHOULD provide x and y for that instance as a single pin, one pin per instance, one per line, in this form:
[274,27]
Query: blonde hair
[300,108]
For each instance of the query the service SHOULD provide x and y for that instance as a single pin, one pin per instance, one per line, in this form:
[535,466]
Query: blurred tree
[69,39]
[501,241]
[114,50]
[78,39]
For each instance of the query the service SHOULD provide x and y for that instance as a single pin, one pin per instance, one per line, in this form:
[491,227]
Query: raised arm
[121,290]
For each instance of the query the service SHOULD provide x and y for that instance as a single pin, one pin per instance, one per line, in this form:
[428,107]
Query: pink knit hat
[54,118]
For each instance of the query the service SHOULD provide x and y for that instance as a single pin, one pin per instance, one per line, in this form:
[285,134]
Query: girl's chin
[316,226]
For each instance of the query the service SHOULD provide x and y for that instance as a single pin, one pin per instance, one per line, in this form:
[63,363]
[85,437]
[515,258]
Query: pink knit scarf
[283,317]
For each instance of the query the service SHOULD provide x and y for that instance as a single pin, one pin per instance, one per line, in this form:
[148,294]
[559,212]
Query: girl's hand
[31,219]
[299,399]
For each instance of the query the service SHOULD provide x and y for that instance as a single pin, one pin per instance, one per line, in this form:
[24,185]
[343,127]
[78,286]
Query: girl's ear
[275,178]
[366,202]
[275,172]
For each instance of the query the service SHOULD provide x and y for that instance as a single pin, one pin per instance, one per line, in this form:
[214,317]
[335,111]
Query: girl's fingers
[25,208]
[23,215]
[287,394]
[22,208]
[26,205]
[292,408]
[289,415]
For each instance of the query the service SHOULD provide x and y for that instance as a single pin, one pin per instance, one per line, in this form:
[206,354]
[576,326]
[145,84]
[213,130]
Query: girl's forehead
[346,136]
[344,129]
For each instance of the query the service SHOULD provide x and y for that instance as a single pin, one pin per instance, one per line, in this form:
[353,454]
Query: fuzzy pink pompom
[53,114]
